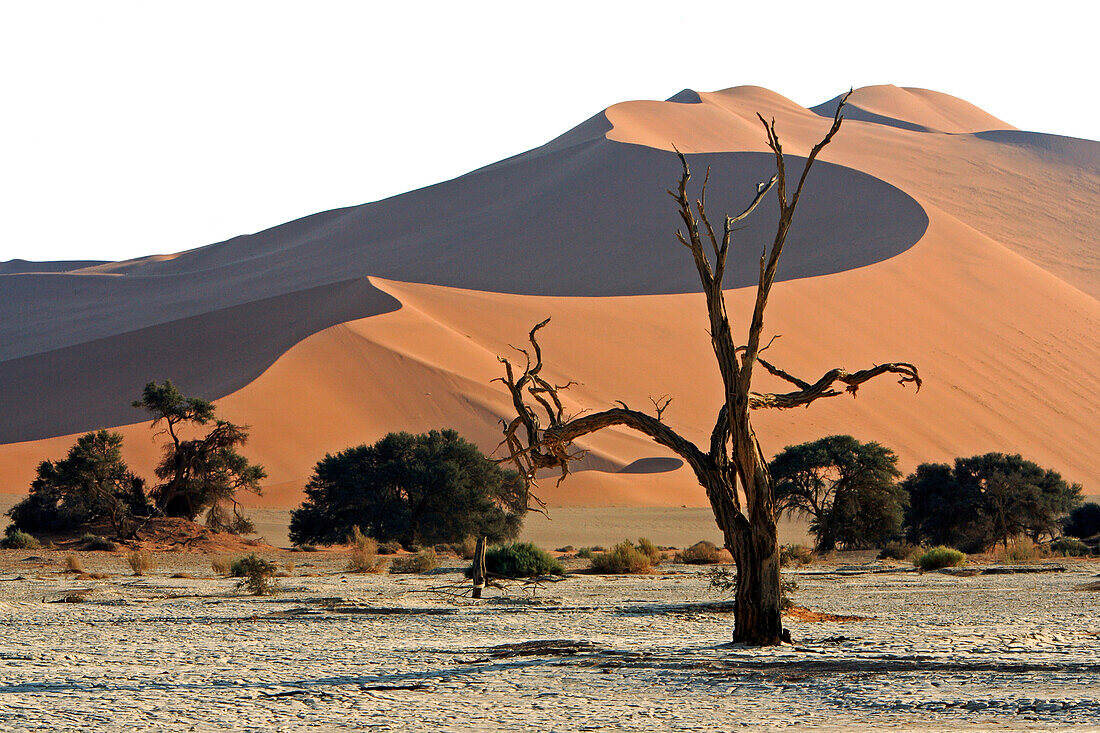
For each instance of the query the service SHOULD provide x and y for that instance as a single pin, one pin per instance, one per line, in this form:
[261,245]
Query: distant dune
[932,233]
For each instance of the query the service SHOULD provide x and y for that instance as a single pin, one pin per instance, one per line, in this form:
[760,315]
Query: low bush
[701,553]
[1069,547]
[520,560]
[304,548]
[96,543]
[421,562]
[220,565]
[255,573]
[364,553]
[898,550]
[17,539]
[586,553]
[940,557]
[140,561]
[623,558]
[567,548]
[389,548]
[650,550]
[795,555]
[73,564]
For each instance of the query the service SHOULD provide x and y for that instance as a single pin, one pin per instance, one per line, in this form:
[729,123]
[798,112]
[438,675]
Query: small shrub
[17,539]
[722,579]
[140,561]
[220,565]
[795,555]
[421,562]
[288,567]
[567,548]
[940,557]
[1069,547]
[255,573]
[73,564]
[182,575]
[411,547]
[701,553]
[304,548]
[787,589]
[896,550]
[466,548]
[623,558]
[586,553]
[364,553]
[650,550]
[389,548]
[520,560]
[96,543]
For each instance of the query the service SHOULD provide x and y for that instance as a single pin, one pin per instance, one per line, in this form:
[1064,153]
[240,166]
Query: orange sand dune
[970,253]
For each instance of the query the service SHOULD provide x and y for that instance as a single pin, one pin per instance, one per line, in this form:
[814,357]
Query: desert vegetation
[702,552]
[256,574]
[93,485]
[140,561]
[520,560]
[940,557]
[624,558]
[848,489]
[414,489]
[201,475]
[421,562]
[364,553]
[986,500]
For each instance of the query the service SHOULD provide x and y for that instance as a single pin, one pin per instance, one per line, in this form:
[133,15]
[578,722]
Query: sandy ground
[339,651]
[586,526]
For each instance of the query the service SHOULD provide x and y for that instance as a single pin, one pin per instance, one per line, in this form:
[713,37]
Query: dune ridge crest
[932,232]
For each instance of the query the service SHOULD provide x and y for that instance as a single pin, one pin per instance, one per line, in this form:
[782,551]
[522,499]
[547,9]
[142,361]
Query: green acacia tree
[201,474]
[415,489]
[985,500]
[91,484]
[847,488]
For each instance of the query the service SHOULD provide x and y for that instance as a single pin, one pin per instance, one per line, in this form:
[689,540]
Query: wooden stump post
[479,567]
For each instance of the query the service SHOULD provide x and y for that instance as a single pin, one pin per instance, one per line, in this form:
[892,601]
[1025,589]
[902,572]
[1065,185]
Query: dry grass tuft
[140,561]
[220,565]
[73,564]
[364,553]
[701,553]
[421,562]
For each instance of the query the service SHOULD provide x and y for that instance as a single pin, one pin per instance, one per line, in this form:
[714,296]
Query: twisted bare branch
[824,387]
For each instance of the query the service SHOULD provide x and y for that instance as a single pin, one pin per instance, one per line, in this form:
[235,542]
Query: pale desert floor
[339,651]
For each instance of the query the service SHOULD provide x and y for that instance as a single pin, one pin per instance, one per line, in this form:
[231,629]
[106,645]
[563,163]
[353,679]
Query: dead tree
[732,468]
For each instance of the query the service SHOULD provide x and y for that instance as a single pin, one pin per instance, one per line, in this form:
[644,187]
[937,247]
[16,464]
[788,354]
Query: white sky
[134,128]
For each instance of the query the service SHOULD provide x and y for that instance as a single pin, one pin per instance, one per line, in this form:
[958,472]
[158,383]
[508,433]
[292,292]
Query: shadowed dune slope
[969,253]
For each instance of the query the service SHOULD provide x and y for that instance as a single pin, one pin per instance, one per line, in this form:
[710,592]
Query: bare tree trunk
[734,457]
[479,567]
